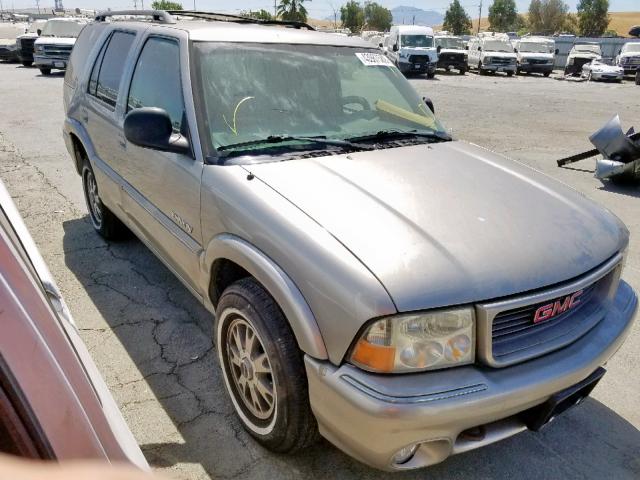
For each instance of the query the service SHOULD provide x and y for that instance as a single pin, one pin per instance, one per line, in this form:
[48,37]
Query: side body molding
[277,283]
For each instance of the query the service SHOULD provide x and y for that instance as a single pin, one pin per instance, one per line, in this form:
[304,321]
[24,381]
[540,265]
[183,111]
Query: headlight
[39,48]
[414,342]
[487,60]
[524,60]
[403,55]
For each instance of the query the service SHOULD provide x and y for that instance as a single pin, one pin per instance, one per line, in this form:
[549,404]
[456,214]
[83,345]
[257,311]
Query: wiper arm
[275,139]
[392,134]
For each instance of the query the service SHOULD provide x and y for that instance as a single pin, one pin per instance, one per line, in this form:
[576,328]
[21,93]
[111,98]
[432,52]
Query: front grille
[513,328]
[535,61]
[527,326]
[631,60]
[500,61]
[61,52]
[418,58]
[26,45]
[451,57]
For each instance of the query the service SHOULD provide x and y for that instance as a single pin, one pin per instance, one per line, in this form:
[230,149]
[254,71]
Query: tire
[509,74]
[431,74]
[480,71]
[45,71]
[103,220]
[546,74]
[462,71]
[638,77]
[27,63]
[284,424]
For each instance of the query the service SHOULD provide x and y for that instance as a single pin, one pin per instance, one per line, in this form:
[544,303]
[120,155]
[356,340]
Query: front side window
[251,92]
[107,71]
[416,41]
[156,79]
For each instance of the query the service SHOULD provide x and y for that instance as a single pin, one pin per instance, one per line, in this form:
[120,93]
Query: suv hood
[449,223]
[536,56]
[629,54]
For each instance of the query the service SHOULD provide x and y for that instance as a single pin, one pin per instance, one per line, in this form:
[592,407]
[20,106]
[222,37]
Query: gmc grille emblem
[550,310]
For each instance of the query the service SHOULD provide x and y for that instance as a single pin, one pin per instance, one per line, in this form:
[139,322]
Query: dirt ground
[152,340]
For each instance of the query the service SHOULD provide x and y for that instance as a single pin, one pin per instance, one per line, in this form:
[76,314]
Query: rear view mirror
[429,104]
[395,47]
[151,127]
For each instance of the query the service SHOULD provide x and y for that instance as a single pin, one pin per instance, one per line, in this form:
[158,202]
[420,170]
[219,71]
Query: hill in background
[417,16]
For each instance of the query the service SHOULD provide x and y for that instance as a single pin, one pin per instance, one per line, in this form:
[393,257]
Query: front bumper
[406,67]
[48,62]
[536,67]
[606,76]
[499,68]
[8,54]
[372,416]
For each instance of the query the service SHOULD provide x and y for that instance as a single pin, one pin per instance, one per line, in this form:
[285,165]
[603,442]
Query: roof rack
[227,17]
[160,16]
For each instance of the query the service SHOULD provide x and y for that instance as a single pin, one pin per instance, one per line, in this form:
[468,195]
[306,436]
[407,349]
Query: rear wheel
[102,219]
[45,71]
[263,368]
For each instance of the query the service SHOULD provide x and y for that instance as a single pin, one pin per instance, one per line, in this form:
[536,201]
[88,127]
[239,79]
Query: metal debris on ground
[620,152]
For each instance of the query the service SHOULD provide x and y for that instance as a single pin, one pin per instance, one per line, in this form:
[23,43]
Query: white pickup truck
[53,48]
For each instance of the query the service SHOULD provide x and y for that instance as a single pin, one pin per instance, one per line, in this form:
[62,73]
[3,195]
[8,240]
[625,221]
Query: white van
[535,55]
[412,49]
[492,52]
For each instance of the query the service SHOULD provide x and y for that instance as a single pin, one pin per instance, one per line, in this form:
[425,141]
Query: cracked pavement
[152,341]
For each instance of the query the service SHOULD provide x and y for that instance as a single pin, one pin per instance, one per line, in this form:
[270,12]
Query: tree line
[544,17]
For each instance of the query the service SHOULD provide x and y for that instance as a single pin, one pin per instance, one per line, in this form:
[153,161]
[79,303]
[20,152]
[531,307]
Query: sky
[317,8]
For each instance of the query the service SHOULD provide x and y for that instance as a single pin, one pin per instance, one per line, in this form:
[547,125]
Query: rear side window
[156,79]
[107,71]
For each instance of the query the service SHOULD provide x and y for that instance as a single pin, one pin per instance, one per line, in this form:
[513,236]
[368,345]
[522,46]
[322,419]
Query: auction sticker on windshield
[374,59]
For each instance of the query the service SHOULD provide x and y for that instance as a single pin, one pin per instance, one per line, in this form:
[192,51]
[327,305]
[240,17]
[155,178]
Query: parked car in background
[362,285]
[25,43]
[580,54]
[412,49]
[492,52]
[8,34]
[629,57]
[452,53]
[54,402]
[535,55]
[598,70]
[53,48]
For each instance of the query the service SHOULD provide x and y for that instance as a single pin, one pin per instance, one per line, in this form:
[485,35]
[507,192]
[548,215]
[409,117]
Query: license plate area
[537,417]
[59,64]
[417,66]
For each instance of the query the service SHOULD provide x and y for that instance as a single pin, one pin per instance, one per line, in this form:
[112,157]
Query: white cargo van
[535,55]
[492,52]
[412,49]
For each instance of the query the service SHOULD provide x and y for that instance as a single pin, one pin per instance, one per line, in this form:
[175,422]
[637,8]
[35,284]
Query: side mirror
[150,127]
[39,31]
[515,50]
[395,47]
[429,104]
[380,45]
[557,51]
[439,48]
[479,49]
[466,47]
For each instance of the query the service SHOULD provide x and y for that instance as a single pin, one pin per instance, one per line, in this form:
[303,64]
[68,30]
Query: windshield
[37,25]
[631,47]
[62,28]
[497,46]
[454,43]
[416,41]
[250,92]
[531,47]
[587,48]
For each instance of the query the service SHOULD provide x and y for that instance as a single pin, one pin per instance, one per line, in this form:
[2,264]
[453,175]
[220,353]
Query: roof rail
[160,16]
[227,17]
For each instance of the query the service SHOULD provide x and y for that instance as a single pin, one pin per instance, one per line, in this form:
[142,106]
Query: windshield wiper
[394,134]
[276,139]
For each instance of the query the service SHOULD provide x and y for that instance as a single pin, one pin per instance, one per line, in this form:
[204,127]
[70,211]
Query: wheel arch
[78,141]
[229,258]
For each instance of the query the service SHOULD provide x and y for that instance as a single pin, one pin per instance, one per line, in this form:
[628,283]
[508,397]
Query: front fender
[278,284]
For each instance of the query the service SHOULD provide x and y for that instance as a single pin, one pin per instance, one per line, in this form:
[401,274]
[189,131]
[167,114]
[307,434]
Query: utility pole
[479,15]
[38,5]
[275,9]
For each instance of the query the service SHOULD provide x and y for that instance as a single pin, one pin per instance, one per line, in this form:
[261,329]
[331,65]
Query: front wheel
[509,74]
[263,368]
[431,74]
[45,71]
[546,74]
[27,63]
[462,71]
[638,77]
